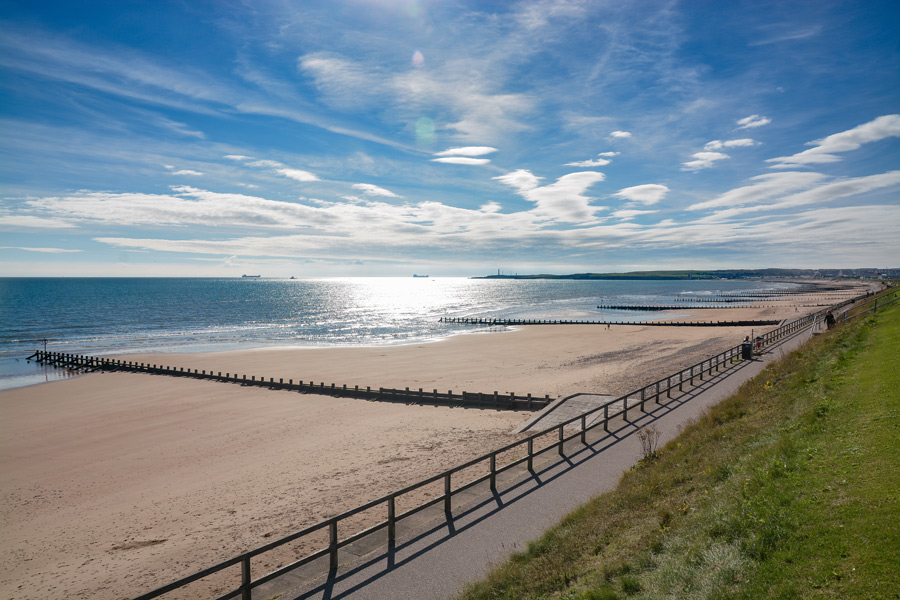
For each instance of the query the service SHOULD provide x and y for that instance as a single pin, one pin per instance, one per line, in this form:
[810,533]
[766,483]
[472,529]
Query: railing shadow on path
[445,526]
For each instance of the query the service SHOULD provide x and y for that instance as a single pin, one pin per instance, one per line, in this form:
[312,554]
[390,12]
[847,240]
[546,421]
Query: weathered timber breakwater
[510,401]
[502,322]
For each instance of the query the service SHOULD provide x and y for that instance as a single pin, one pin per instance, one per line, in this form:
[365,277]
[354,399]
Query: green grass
[790,489]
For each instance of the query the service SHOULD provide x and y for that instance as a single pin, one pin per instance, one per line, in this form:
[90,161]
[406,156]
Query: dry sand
[116,483]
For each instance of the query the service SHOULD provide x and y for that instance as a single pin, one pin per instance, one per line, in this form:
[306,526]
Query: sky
[450,138]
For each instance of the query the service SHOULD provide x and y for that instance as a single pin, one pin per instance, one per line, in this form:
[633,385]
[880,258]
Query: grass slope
[790,489]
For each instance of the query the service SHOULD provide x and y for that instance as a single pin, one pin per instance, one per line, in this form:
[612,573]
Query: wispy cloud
[829,191]
[461,160]
[33,222]
[703,160]
[467,151]
[374,190]
[627,214]
[753,121]
[709,156]
[649,193]
[474,106]
[762,187]
[789,34]
[620,135]
[43,250]
[824,150]
[597,162]
[718,144]
[275,167]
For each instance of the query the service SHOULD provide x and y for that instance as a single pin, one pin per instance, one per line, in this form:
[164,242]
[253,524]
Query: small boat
[251,276]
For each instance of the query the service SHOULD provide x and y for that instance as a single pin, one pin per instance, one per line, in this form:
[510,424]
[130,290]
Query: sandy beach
[115,483]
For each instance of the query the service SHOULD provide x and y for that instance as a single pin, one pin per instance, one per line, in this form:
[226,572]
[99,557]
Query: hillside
[786,490]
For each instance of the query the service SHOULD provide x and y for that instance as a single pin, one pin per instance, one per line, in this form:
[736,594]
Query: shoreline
[116,483]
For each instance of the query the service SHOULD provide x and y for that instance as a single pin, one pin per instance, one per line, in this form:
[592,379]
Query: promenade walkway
[435,556]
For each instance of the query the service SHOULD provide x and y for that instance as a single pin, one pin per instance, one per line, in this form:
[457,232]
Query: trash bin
[746,351]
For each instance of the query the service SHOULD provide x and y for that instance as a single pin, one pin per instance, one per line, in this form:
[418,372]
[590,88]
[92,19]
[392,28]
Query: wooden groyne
[503,322]
[511,401]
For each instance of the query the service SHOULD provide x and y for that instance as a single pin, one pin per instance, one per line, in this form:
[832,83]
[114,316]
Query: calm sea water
[108,316]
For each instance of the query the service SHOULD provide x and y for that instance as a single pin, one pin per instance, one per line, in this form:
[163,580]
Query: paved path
[434,557]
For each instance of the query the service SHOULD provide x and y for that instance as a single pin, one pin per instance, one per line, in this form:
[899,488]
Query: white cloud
[31,221]
[276,167]
[788,35]
[467,151]
[562,201]
[824,150]
[718,144]
[763,187]
[703,160]
[620,135]
[647,194]
[753,121]
[629,214]
[297,174]
[472,100]
[374,190]
[597,162]
[265,164]
[521,179]
[44,250]
[609,154]
[462,160]
[186,172]
[827,192]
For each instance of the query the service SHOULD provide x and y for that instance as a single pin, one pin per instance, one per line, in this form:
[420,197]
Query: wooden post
[606,417]
[584,429]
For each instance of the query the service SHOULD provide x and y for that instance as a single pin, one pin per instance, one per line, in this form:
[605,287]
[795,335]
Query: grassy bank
[790,489]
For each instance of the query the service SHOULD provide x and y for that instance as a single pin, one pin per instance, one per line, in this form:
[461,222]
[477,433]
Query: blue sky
[391,137]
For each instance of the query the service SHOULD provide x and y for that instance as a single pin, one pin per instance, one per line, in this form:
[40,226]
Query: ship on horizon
[251,276]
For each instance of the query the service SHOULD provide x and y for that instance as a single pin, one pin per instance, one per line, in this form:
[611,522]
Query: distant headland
[864,273]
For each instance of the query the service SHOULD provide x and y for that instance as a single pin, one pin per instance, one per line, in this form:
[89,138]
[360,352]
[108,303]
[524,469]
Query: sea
[115,316]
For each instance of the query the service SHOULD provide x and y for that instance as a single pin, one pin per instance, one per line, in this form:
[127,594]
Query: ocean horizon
[115,316]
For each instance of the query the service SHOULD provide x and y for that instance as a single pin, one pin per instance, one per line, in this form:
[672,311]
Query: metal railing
[886,298]
[631,401]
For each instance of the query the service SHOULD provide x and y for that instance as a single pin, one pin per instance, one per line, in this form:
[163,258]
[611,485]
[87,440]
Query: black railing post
[561,453]
[245,578]
[333,545]
[530,454]
[447,507]
[392,519]
[493,462]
